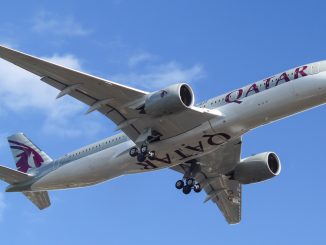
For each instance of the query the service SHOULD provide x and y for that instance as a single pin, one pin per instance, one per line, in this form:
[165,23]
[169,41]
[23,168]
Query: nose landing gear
[187,185]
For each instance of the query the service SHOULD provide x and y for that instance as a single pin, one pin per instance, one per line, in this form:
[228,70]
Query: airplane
[164,129]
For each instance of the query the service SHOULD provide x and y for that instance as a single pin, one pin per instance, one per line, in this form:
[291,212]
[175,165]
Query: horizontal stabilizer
[12,176]
[39,198]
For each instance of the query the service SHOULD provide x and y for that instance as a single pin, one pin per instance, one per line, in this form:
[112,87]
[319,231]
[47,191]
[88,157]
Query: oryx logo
[163,93]
[27,157]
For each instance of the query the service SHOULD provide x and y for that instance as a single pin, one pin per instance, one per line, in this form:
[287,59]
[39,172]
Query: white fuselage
[244,109]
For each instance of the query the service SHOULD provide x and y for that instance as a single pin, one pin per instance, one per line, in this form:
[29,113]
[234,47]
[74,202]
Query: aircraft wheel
[151,155]
[141,157]
[197,188]
[186,189]
[133,152]
[144,149]
[190,182]
[179,184]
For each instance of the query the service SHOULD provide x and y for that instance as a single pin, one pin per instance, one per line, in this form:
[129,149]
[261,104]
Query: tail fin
[27,156]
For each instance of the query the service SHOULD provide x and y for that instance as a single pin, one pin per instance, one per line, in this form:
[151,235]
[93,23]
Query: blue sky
[216,46]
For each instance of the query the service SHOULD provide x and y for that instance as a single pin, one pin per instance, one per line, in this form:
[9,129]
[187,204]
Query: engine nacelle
[172,99]
[257,168]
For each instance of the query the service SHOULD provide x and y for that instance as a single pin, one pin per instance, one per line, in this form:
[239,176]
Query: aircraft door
[315,68]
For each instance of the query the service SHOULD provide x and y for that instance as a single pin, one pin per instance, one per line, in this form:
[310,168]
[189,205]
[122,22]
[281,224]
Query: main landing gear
[188,182]
[142,153]
[187,185]
[147,137]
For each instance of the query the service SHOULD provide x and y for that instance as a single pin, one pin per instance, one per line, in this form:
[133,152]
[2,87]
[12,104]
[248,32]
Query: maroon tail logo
[26,153]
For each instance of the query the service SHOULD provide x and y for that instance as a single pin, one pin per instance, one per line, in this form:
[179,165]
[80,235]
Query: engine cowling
[257,168]
[172,99]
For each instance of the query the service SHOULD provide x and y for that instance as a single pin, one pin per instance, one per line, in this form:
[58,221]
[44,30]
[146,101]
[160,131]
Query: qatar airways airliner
[164,129]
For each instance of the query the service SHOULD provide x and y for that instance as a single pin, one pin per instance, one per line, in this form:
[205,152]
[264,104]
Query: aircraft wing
[220,189]
[115,101]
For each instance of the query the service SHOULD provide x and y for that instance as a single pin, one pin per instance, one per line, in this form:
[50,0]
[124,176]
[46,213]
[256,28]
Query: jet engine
[172,99]
[257,168]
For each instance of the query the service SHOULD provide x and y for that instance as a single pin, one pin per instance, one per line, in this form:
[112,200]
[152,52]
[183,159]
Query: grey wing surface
[116,101]
[110,98]
[212,176]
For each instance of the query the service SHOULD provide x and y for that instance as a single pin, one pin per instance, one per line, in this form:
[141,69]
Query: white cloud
[2,205]
[3,139]
[139,58]
[6,44]
[159,76]
[21,91]
[67,60]
[58,25]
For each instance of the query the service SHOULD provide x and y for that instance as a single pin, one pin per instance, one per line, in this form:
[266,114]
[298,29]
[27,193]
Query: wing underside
[115,101]
[212,176]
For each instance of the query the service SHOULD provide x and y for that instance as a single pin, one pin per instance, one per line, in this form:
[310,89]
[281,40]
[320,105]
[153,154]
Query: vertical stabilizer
[27,156]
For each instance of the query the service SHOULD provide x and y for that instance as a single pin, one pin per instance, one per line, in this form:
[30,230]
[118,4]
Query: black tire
[197,188]
[144,149]
[186,189]
[179,184]
[141,157]
[133,152]
[190,182]
[151,155]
